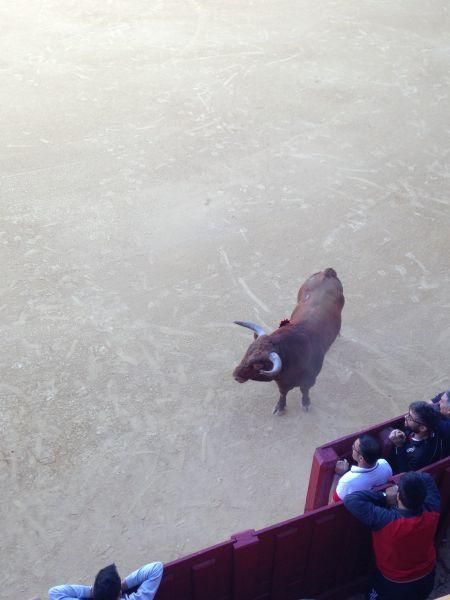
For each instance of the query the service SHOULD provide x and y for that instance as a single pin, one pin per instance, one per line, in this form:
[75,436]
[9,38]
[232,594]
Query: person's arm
[443,428]
[432,499]
[425,453]
[370,508]
[436,399]
[397,457]
[411,456]
[68,592]
[337,485]
[386,468]
[147,578]
[333,495]
[401,460]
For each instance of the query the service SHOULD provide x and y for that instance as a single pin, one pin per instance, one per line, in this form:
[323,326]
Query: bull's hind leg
[305,398]
[280,406]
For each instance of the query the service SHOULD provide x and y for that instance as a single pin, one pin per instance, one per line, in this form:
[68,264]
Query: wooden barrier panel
[441,473]
[205,575]
[317,555]
[245,565]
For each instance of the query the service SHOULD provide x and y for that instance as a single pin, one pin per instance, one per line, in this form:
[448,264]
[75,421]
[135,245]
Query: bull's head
[261,362]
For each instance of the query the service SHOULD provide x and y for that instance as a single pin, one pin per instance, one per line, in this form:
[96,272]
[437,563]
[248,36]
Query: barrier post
[321,478]
[245,565]
[444,489]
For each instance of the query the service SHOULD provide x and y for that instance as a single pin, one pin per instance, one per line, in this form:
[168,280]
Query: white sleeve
[342,488]
[68,592]
[148,579]
[387,467]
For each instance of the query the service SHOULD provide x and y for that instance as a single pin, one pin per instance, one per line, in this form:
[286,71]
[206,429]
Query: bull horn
[256,328]
[277,364]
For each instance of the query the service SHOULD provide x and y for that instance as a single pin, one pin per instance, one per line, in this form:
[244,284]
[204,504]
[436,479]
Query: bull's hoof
[278,411]
[306,407]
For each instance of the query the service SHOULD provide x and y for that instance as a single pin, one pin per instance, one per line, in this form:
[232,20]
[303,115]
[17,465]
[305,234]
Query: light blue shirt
[147,579]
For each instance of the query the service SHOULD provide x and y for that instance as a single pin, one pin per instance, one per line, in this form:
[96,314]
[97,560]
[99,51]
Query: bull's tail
[330,272]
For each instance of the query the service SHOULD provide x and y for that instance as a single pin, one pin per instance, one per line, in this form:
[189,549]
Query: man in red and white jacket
[402,535]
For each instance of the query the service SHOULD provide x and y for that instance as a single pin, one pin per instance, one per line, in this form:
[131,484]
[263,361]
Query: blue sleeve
[424,454]
[369,508]
[147,578]
[436,398]
[403,461]
[432,498]
[443,428]
[68,592]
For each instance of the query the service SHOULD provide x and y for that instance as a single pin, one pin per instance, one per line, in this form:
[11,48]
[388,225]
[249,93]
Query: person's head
[366,450]
[412,490]
[107,584]
[444,404]
[421,418]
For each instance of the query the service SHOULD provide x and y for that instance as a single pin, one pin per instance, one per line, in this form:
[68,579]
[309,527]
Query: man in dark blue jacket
[442,403]
[403,522]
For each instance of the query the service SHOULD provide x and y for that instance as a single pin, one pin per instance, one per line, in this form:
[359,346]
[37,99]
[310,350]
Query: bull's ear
[255,337]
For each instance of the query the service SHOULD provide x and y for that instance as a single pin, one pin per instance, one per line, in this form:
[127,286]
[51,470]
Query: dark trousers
[383,589]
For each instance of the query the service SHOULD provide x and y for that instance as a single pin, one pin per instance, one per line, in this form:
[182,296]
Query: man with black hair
[420,444]
[368,472]
[108,585]
[403,521]
[442,403]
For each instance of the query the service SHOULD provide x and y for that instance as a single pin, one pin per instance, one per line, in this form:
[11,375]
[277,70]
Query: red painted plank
[245,565]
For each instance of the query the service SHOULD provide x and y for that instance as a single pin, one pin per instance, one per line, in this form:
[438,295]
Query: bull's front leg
[305,398]
[280,406]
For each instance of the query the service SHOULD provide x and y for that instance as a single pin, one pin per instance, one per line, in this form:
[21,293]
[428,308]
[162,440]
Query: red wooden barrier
[324,554]
[441,473]
[205,575]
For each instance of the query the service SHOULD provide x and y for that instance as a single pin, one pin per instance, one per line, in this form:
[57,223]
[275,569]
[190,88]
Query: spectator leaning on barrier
[369,471]
[420,445]
[108,585]
[403,522]
[441,402]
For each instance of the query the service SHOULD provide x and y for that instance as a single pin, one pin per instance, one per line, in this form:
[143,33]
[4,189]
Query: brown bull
[293,354]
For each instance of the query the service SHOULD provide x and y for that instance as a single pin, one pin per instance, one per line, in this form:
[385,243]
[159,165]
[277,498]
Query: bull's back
[320,303]
[321,285]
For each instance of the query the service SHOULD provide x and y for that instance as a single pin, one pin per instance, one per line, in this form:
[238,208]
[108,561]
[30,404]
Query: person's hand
[397,437]
[391,495]
[342,466]
[444,410]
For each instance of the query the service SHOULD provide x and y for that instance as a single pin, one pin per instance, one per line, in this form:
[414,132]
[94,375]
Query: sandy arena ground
[169,166]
